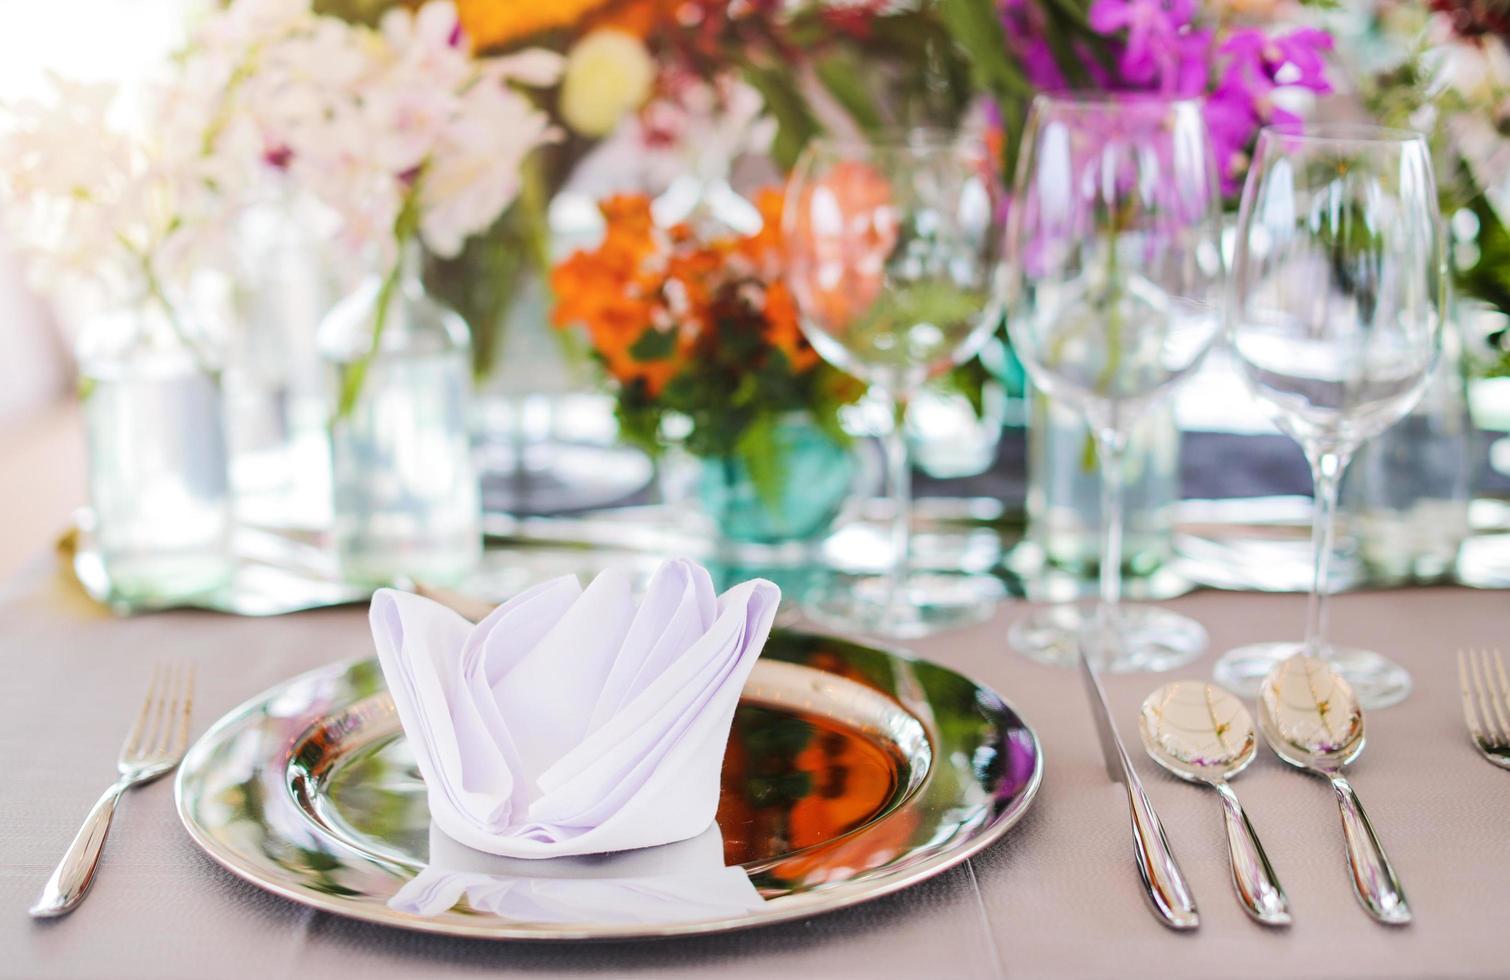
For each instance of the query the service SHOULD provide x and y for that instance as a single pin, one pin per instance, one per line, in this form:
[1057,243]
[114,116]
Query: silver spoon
[1312,720]
[1203,734]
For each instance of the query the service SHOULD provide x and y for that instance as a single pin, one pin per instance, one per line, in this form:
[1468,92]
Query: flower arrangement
[397,128]
[702,327]
[1444,69]
[1246,73]
[122,206]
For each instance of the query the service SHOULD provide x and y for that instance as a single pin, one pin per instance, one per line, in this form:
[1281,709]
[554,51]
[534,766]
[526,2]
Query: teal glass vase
[814,475]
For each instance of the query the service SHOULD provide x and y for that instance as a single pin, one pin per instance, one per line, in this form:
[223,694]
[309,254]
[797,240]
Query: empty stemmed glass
[1113,281]
[1336,323]
[891,246]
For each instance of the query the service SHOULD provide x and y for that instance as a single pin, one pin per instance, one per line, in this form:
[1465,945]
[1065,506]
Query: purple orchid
[1159,47]
[1152,28]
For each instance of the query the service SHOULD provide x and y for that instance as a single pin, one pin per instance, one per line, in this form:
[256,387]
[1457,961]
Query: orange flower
[656,301]
[494,23]
[638,17]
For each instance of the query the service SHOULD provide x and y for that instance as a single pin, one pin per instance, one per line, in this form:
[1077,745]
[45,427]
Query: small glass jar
[154,423]
[404,493]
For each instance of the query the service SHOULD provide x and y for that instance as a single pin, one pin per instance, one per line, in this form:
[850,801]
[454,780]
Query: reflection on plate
[851,772]
[680,882]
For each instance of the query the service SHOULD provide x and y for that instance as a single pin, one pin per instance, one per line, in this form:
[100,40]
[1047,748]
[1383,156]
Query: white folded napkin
[570,721]
[679,882]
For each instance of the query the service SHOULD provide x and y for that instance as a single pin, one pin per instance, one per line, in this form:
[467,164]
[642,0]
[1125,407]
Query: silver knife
[1168,894]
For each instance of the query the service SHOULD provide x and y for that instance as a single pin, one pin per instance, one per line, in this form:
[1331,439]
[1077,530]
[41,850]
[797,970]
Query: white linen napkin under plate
[681,882]
[571,721]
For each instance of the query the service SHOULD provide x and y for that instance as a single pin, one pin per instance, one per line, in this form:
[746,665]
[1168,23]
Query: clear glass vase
[1407,491]
[1064,490]
[154,423]
[404,493]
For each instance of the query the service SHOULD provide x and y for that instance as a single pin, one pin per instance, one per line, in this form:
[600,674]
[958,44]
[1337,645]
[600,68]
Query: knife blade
[1164,884]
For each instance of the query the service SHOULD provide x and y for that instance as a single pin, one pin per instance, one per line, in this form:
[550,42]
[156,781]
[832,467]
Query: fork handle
[75,873]
[1374,880]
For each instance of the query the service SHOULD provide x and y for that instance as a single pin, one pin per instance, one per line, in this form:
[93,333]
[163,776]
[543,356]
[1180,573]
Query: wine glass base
[920,604]
[1377,681]
[1146,638]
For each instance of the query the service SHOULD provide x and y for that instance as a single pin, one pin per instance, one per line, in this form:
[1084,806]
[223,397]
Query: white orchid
[400,130]
[93,195]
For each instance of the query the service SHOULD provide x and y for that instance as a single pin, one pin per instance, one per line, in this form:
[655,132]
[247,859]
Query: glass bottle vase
[1064,490]
[154,425]
[404,491]
[1406,493]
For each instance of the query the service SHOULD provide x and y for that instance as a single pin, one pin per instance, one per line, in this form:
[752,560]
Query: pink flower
[1151,26]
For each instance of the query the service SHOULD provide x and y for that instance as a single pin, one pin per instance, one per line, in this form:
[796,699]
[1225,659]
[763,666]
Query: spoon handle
[1374,880]
[1252,875]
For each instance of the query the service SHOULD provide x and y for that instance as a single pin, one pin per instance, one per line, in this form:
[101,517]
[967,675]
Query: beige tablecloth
[1058,897]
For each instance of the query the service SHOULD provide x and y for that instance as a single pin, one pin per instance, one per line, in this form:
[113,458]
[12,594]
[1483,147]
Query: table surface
[1059,896]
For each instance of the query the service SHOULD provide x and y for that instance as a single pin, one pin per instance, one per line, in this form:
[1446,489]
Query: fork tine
[134,737]
[1504,688]
[1495,690]
[1470,713]
[1496,723]
[159,709]
[180,741]
[169,722]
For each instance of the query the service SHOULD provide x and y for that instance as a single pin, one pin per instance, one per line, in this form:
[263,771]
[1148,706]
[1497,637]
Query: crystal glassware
[1113,282]
[892,243]
[1336,323]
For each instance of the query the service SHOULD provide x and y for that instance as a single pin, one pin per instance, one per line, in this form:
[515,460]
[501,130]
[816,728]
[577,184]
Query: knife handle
[1168,894]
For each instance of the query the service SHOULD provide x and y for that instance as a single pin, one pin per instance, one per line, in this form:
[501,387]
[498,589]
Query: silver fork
[155,745]
[1486,703]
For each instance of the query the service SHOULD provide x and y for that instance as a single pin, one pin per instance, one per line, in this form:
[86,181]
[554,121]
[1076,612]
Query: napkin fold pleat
[639,737]
[570,720]
[549,694]
[422,642]
[678,607]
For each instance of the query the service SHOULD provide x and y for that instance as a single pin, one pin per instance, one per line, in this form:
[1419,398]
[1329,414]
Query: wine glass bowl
[1113,282]
[891,248]
[890,251]
[1335,323]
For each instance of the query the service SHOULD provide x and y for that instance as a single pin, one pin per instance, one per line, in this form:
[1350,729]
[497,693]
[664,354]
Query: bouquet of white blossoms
[399,129]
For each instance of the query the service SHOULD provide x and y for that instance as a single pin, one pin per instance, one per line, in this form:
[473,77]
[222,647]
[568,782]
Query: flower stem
[405,226]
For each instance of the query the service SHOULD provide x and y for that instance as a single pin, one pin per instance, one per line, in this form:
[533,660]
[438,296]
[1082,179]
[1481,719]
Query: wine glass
[1113,285]
[891,245]
[1336,324]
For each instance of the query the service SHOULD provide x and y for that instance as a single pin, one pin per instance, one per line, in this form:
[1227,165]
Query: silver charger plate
[851,772]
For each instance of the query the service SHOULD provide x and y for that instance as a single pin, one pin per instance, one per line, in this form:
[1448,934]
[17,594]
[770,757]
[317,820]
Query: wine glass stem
[899,483]
[1111,447]
[1326,473]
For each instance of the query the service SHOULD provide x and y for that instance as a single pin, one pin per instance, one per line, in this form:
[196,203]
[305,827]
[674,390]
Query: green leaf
[842,73]
[654,345]
[976,27]
[760,451]
[795,123]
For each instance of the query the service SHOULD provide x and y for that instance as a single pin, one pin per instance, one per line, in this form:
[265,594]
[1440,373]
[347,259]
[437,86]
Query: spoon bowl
[1201,733]
[1310,716]
[1313,721]
[1198,732]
